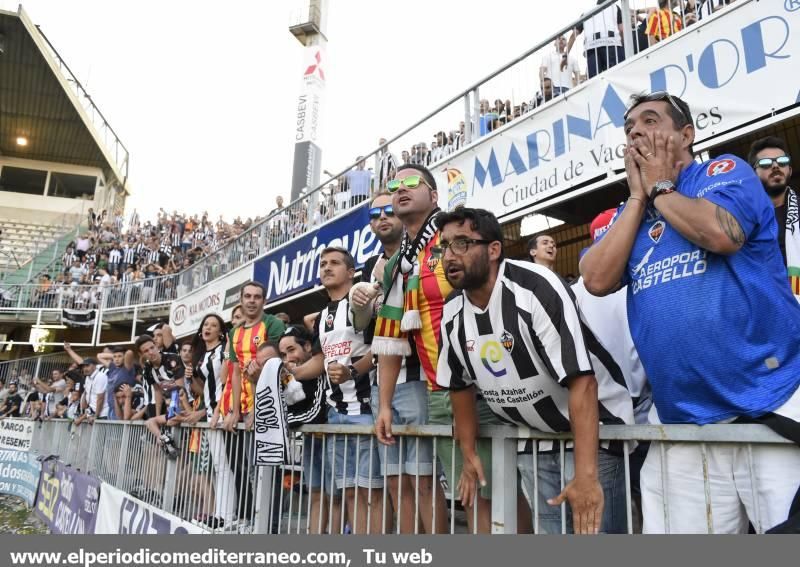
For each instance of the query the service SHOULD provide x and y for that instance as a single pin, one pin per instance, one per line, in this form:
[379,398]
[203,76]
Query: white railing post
[504,485]
[627,28]
[467,120]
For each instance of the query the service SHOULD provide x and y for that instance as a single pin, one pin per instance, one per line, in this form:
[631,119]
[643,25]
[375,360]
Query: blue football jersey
[719,336]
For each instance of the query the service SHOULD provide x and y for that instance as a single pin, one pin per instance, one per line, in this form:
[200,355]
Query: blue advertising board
[295,266]
[19,474]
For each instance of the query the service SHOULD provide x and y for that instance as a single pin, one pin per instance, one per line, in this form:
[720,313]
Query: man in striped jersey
[406,399]
[345,357]
[243,341]
[515,333]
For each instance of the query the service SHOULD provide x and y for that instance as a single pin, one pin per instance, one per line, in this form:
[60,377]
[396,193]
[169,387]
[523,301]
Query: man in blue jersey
[712,318]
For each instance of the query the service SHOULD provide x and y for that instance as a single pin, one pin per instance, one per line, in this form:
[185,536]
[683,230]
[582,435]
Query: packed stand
[141,256]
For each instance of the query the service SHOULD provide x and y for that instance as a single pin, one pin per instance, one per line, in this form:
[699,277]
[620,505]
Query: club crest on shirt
[329,321]
[256,340]
[432,263]
[507,340]
[720,166]
[470,346]
[656,231]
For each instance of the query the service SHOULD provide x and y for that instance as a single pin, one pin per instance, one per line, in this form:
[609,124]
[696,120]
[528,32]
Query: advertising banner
[19,474]
[16,434]
[295,267]
[219,296]
[719,66]
[67,499]
[307,154]
[121,513]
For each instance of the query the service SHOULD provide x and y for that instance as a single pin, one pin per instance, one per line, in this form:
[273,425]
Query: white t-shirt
[607,317]
[97,384]
[552,64]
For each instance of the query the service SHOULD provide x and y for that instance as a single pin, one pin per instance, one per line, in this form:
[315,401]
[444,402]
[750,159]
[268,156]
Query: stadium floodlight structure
[307,25]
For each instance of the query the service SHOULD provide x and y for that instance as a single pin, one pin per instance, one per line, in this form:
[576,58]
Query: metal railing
[212,475]
[523,77]
[457,126]
[42,366]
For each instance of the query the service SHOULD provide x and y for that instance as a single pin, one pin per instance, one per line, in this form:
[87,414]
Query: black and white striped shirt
[339,342]
[165,250]
[129,255]
[524,347]
[210,368]
[152,256]
[114,256]
[176,240]
[68,258]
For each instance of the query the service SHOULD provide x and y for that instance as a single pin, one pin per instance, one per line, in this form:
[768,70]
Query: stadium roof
[43,102]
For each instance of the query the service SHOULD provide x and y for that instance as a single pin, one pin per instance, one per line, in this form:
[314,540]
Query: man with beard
[407,399]
[514,332]
[770,158]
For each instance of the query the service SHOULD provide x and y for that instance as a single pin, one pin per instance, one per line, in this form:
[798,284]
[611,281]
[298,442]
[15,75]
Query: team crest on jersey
[656,231]
[256,340]
[720,166]
[432,263]
[329,321]
[507,340]
[470,346]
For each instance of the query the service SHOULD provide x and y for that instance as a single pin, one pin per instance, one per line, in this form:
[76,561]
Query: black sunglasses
[766,163]
[375,212]
[656,96]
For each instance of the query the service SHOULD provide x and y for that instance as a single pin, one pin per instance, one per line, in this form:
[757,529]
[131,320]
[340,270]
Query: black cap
[89,361]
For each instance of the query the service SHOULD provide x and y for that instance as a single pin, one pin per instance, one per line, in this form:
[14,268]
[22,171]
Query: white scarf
[793,241]
[271,429]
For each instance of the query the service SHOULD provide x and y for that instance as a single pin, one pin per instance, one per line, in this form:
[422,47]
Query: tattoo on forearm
[730,226]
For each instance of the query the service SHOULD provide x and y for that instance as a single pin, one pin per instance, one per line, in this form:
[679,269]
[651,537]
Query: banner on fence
[16,434]
[295,266]
[19,474]
[219,296]
[78,317]
[121,513]
[719,68]
[67,499]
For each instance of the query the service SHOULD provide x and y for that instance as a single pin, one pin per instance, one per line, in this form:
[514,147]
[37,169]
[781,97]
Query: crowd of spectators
[559,71]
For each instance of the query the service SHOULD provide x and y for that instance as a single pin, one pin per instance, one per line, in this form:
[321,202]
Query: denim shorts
[409,407]
[611,474]
[353,463]
[316,469]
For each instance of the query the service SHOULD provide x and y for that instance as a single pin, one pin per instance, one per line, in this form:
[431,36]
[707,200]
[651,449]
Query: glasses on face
[656,96]
[458,247]
[411,182]
[766,163]
[375,212]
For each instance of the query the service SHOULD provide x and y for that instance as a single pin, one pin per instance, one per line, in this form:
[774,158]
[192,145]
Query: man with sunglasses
[409,396]
[415,289]
[770,158]
[716,327]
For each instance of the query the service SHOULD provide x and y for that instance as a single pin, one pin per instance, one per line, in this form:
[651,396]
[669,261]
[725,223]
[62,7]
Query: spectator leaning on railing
[696,244]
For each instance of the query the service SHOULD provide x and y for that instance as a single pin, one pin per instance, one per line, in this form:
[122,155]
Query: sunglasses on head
[654,97]
[411,182]
[375,212]
[766,163]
